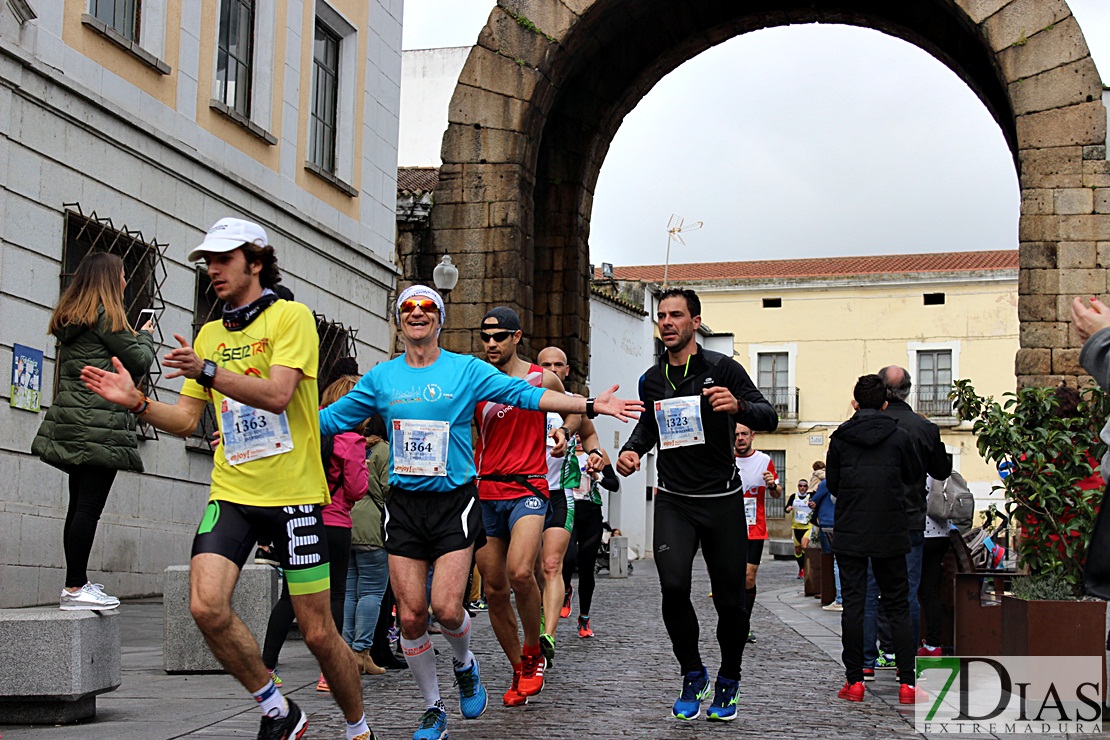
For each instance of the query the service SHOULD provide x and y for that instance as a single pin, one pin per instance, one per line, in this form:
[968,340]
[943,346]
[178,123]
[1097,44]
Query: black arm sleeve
[832,468]
[939,464]
[756,412]
[609,480]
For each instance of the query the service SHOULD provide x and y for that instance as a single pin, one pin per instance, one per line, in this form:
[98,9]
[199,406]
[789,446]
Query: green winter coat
[366,516]
[80,427]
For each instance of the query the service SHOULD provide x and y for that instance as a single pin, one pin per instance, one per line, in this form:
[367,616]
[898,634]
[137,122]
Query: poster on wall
[26,377]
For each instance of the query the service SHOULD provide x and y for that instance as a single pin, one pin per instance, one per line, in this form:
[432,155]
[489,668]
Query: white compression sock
[459,640]
[421,658]
[271,702]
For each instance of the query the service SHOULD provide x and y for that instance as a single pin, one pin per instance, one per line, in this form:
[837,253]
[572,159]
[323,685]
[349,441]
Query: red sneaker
[801,573]
[868,674]
[929,652]
[851,691]
[584,629]
[565,611]
[908,694]
[513,697]
[531,674]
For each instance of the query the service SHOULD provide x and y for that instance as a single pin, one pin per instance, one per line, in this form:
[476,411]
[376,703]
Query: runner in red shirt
[511,459]
[758,475]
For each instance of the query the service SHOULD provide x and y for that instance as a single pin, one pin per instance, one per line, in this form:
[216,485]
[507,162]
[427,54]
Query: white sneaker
[89,596]
[833,607]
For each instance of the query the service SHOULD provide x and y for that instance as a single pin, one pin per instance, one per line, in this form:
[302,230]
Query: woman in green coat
[82,434]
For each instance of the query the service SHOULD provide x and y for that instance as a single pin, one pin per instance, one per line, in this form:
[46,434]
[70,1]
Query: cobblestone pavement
[621,684]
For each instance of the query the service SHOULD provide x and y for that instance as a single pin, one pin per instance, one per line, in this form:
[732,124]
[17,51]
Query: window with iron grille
[235,54]
[934,381]
[122,15]
[325,96]
[773,379]
[776,507]
[144,271]
[336,341]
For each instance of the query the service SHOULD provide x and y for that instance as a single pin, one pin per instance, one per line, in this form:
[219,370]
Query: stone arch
[546,87]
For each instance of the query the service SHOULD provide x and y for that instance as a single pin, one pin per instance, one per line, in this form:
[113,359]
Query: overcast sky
[800,141]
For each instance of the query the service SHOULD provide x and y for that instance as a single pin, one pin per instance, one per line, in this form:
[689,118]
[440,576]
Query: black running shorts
[298,534]
[755,551]
[424,525]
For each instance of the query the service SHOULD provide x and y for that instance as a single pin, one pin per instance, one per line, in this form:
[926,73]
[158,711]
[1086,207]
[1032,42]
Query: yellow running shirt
[266,459]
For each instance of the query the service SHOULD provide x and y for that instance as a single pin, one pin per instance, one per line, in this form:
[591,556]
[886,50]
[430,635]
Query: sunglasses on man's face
[497,336]
[426,305]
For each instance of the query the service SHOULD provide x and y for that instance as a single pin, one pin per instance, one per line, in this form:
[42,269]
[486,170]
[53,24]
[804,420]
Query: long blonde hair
[340,387]
[96,283]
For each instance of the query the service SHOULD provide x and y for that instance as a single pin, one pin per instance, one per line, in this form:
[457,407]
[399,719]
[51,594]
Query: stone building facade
[136,124]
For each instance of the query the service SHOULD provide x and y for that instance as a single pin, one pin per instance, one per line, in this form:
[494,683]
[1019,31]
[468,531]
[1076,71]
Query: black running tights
[584,543]
[716,523]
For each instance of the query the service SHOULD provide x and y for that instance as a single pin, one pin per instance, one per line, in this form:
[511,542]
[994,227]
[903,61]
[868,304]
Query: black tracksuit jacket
[707,469]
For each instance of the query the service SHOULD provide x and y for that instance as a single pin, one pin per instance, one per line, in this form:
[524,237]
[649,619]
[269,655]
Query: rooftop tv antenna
[675,226]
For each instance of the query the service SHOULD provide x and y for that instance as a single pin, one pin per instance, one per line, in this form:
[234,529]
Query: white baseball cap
[228,234]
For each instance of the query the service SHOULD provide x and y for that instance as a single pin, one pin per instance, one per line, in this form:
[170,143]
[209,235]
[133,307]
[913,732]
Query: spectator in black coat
[869,462]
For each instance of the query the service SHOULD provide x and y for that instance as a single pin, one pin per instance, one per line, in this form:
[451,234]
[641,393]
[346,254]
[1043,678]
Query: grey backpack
[950,499]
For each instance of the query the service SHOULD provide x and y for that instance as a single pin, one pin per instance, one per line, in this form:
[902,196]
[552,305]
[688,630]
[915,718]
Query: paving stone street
[618,685]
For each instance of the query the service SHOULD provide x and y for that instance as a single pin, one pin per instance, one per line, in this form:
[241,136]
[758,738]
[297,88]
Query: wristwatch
[208,374]
[590,413]
[566,433]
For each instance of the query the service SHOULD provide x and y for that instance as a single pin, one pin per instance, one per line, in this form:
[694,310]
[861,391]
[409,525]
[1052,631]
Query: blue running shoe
[695,690]
[723,708]
[472,694]
[433,724]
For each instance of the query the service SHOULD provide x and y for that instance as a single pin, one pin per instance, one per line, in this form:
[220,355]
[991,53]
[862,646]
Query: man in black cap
[511,459]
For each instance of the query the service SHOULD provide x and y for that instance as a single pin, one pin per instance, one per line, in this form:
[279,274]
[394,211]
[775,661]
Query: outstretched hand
[619,408]
[184,360]
[1088,320]
[117,387]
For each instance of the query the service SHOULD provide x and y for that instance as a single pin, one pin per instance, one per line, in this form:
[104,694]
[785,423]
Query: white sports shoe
[89,596]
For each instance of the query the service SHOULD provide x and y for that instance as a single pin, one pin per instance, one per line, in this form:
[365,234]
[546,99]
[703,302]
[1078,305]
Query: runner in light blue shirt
[427,397]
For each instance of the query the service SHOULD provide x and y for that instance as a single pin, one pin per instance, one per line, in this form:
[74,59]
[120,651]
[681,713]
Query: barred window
[934,381]
[776,507]
[143,268]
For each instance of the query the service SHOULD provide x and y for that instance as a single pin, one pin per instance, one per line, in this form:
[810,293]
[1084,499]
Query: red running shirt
[511,441]
[755,491]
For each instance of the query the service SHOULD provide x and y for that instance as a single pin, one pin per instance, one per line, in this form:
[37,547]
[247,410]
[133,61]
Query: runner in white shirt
[758,475]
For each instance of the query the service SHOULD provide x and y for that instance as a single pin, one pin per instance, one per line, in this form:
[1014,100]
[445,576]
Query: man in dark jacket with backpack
[869,462]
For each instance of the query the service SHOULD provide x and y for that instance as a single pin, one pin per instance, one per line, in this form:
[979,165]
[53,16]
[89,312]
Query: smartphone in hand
[146,316]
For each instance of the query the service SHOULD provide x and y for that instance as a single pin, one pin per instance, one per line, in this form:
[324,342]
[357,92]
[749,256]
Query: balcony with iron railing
[933,402]
[785,401]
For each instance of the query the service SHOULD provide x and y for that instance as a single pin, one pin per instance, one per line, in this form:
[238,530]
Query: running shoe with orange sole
[565,611]
[584,629]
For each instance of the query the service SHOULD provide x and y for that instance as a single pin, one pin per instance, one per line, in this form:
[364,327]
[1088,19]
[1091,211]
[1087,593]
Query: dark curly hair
[270,275]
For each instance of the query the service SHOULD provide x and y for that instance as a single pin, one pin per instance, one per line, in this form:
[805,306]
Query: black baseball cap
[501,317]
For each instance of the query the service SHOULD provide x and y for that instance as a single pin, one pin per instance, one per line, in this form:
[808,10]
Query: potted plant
[1048,440]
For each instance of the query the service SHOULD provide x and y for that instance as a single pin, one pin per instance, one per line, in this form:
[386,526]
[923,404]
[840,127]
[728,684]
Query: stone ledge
[82,651]
[183,647]
[330,178]
[131,47]
[236,117]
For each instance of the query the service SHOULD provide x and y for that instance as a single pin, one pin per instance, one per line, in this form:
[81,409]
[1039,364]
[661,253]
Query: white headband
[424,290]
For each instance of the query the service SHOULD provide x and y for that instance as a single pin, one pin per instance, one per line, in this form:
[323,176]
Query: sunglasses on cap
[497,336]
[424,304]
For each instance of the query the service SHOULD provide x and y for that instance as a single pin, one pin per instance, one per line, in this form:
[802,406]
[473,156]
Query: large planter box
[1055,628]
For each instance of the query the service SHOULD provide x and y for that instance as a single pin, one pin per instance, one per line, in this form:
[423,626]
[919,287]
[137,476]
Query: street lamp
[445,275]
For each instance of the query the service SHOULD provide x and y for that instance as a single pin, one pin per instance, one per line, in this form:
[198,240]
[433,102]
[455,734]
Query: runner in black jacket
[694,398]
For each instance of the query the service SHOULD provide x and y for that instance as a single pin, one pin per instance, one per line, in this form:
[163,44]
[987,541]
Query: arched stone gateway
[546,87]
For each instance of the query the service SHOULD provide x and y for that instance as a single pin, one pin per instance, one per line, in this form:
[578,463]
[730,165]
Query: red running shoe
[868,674]
[513,697]
[584,629]
[801,573]
[851,691]
[531,674]
[565,611]
[929,652]
[909,694]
